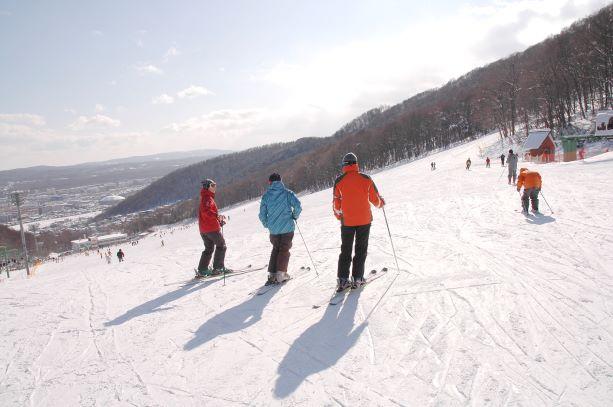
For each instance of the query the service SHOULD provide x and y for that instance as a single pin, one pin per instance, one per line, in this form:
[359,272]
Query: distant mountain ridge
[544,86]
[175,155]
[155,165]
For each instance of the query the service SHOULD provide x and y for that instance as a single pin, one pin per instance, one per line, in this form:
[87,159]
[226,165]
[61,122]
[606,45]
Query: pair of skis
[339,296]
[531,213]
[238,272]
[266,288]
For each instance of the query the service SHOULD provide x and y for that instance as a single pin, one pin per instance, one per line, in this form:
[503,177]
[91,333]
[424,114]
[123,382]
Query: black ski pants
[348,234]
[279,256]
[213,241]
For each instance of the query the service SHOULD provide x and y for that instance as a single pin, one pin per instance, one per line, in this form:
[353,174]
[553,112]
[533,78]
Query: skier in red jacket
[210,223]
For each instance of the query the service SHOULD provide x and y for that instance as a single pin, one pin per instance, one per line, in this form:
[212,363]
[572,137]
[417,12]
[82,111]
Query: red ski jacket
[208,218]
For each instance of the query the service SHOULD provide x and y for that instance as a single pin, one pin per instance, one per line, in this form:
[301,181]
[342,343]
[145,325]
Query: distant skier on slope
[468,162]
[279,208]
[487,162]
[120,255]
[353,193]
[512,164]
[531,181]
[210,223]
[502,159]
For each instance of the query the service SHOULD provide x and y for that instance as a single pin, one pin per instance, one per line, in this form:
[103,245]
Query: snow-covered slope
[489,307]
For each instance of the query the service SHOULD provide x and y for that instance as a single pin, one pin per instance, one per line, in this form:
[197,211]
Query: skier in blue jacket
[279,209]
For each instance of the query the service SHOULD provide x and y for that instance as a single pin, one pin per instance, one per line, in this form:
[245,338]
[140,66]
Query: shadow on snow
[321,346]
[233,319]
[540,220]
[158,303]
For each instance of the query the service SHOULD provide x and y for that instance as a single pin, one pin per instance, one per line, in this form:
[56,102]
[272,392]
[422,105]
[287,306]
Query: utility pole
[17,201]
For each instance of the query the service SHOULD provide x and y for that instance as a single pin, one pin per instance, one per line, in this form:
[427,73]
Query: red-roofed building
[539,146]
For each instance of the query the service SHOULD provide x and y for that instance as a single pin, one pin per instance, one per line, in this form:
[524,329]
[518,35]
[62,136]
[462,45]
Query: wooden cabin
[539,146]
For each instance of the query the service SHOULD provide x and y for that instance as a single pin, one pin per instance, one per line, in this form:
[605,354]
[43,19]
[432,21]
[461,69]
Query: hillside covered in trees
[545,86]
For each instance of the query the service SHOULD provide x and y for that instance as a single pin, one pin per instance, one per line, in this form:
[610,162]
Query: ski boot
[221,270]
[204,273]
[282,276]
[343,284]
[272,279]
[358,282]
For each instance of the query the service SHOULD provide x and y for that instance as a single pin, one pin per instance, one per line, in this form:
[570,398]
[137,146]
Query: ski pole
[391,240]
[541,192]
[224,269]
[306,247]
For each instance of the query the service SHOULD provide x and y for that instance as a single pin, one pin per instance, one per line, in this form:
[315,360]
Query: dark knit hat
[350,159]
[274,177]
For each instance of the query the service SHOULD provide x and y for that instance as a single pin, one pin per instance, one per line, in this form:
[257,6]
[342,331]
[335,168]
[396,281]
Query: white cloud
[71,111]
[99,108]
[242,128]
[113,83]
[97,33]
[163,99]
[23,118]
[193,92]
[356,76]
[172,52]
[148,69]
[221,123]
[95,121]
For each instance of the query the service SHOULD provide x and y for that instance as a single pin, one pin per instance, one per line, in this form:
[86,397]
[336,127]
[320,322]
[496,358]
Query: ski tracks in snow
[491,307]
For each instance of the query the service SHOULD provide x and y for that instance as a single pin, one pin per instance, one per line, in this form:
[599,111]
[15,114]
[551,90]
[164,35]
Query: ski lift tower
[17,200]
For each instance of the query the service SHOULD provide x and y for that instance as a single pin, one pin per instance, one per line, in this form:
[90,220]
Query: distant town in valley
[64,198]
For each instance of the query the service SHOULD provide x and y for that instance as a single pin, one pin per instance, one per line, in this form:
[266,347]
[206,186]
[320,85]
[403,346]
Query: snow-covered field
[489,307]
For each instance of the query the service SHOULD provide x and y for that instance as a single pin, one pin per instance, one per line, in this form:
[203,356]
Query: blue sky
[85,81]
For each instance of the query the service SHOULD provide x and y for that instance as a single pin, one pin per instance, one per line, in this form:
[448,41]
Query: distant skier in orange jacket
[352,195]
[531,181]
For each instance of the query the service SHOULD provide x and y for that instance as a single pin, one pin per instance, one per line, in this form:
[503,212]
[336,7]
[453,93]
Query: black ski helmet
[350,159]
[206,183]
[274,177]
[511,151]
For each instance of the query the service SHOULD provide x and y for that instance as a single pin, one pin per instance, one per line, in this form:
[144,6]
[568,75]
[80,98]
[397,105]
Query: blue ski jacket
[278,209]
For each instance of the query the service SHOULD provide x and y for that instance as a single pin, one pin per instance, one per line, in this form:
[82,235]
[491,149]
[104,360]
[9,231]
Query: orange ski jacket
[353,193]
[529,179]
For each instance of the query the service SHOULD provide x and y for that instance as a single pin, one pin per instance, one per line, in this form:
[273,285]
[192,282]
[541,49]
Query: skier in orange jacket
[531,181]
[352,195]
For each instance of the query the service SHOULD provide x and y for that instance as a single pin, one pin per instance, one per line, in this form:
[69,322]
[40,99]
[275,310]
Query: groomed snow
[489,307]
